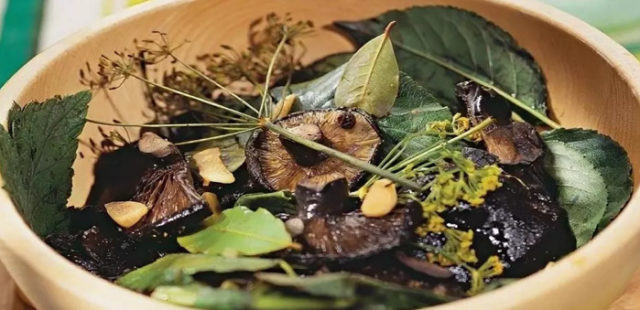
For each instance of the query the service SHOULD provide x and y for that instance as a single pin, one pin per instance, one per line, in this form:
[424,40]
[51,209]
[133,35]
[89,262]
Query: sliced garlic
[283,107]
[211,167]
[212,200]
[380,199]
[155,145]
[126,213]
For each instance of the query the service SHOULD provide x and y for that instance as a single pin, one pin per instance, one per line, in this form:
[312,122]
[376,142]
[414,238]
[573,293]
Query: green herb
[593,175]
[321,67]
[413,110]
[274,202]
[240,231]
[202,296]
[370,79]
[314,94]
[179,269]
[442,46]
[36,155]
[379,295]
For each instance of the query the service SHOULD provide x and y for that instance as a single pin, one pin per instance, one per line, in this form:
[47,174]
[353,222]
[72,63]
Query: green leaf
[179,269]
[321,67]
[442,46]
[379,294]
[203,297]
[274,202]
[37,154]
[240,231]
[608,158]
[414,109]
[314,94]
[370,79]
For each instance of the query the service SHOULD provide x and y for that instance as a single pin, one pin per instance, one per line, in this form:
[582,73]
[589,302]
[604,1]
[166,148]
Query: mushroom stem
[303,155]
[342,156]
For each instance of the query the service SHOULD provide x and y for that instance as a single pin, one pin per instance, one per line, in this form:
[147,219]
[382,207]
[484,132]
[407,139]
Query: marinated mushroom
[173,202]
[512,142]
[280,164]
[353,235]
[322,194]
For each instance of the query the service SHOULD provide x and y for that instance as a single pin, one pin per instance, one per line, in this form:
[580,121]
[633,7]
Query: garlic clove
[126,213]
[380,199]
[211,167]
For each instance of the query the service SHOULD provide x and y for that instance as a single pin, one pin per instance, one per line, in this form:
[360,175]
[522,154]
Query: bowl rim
[28,247]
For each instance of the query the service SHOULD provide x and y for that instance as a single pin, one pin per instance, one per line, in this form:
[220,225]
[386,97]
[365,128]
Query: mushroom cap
[269,162]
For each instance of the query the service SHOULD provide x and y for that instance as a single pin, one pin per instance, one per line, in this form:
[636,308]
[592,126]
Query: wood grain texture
[593,82]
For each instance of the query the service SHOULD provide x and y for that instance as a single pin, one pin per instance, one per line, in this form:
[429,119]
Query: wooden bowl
[593,82]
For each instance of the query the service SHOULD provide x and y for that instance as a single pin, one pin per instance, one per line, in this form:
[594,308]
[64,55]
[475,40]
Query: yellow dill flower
[492,267]
[435,224]
[460,124]
[439,127]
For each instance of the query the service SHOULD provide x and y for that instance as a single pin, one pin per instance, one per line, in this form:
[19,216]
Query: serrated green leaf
[203,297]
[414,109]
[370,78]
[37,154]
[240,231]
[608,157]
[274,202]
[380,295]
[442,46]
[176,269]
[581,188]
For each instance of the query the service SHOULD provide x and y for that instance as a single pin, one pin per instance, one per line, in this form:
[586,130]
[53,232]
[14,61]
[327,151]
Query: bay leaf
[379,294]
[274,202]
[241,231]
[179,268]
[370,78]
[610,161]
[442,46]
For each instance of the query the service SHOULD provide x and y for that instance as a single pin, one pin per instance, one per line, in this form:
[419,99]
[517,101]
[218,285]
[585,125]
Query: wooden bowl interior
[585,88]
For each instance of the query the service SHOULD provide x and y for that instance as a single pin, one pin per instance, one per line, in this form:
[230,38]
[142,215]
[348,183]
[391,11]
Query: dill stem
[213,125]
[214,82]
[425,154]
[348,159]
[218,137]
[196,98]
[265,92]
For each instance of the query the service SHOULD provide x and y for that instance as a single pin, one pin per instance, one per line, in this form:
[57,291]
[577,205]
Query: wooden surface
[10,297]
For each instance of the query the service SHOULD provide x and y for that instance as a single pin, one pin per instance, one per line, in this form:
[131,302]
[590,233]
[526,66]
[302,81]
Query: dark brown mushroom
[353,235]
[173,202]
[512,142]
[322,194]
[280,164]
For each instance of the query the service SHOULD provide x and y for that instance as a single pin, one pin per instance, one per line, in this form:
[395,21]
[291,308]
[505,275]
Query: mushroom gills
[280,164]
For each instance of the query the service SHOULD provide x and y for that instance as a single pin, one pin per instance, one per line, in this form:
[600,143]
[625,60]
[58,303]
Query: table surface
[10,300]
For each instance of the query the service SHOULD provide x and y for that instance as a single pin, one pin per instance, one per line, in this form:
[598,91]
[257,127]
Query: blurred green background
[27,26]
